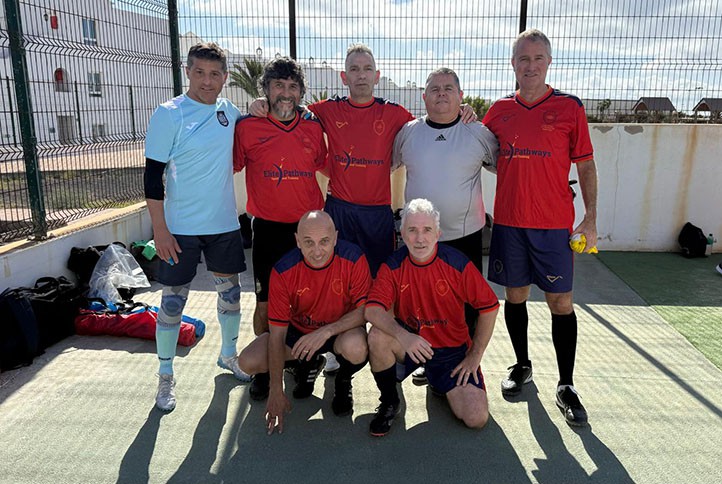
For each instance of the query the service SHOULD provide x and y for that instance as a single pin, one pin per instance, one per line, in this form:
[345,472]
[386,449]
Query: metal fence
[94,70]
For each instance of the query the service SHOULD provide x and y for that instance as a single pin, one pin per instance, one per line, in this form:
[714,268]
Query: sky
[617,49]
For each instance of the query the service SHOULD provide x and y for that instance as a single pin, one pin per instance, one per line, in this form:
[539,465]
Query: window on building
[60,78]
[94,86]
[89,32]
[98,132]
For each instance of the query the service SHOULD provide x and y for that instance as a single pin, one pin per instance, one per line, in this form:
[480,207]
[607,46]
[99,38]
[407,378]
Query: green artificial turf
[687,293]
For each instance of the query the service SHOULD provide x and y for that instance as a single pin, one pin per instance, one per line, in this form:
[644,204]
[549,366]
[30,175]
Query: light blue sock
[166,339]
[229,312]
[167,326]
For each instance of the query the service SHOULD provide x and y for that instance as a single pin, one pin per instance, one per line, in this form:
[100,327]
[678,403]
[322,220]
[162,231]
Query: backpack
[692,241]
[19,341]
[55,301]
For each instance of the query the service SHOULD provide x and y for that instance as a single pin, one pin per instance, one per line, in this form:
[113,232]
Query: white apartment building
[97,69]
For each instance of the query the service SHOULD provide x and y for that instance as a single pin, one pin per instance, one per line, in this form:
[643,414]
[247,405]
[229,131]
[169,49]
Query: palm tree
[247,78]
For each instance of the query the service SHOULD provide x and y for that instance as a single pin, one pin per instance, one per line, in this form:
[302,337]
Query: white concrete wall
[21,266]
[652,179]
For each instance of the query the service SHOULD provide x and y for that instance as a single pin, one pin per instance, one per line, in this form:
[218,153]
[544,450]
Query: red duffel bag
[136,321]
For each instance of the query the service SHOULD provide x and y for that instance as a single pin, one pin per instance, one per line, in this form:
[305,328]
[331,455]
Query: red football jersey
[281,163]
[538,142]
[360,141]
[309,298]
[429,299]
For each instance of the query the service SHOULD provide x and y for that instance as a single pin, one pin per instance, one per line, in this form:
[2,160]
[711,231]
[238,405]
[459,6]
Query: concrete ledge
[24,261]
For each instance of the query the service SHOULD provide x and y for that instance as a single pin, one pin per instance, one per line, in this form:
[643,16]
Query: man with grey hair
[190,139]
[440,143]
[541,131]
[416,308]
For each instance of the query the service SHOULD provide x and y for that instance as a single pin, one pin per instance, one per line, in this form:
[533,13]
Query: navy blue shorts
[271,241]
[439,368]
[520,257]
[371,227]
[293,335]
[223,254]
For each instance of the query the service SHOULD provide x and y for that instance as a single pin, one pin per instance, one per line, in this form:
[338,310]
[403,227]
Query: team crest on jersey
[222,118]
[442,287]
[337,287]
[379,126]
[549,117]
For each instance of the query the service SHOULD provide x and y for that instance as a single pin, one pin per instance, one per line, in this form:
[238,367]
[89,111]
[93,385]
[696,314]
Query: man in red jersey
[281,154]
[317,295]
[416,307]
[541,132]
[361,129]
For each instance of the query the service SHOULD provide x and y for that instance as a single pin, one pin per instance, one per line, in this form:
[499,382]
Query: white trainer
[165,398]
[230,363]
[332,364]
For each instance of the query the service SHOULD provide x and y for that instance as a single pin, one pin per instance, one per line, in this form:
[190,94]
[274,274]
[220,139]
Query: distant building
[608,110]
[654,108]
[88,81]
[713,105]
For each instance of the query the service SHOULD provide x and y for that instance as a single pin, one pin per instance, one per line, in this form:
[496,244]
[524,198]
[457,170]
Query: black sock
[517,322]
[347,369]
[564,336]
[386,382]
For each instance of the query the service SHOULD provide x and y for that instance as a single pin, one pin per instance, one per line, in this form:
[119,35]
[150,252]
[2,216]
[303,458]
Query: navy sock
[517,323]
[348,369]
[564,336]
[386,382]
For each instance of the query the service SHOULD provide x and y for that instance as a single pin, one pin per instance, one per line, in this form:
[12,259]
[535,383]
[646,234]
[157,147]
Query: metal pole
[77,111]
[522,26]
[132,111]
[175,47]
[292,28]
[25,113]
[10,109]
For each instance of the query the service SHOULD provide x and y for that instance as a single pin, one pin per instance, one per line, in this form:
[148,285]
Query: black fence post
[175,47]
[132,111]
[25,113]
[77,112]
[522,27]
[292,27]
[10,109]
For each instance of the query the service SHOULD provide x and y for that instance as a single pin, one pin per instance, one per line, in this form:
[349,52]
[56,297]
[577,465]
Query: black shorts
[293,335]
[223,254]
[271,241]
[471,246]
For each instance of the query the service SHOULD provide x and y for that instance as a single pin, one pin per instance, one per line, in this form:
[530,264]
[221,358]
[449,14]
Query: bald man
[317,295]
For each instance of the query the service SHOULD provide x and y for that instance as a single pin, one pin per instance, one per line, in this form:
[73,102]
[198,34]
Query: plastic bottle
[710,242]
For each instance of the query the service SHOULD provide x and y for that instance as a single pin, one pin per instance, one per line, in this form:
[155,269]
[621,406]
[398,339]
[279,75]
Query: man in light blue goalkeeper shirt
[190,141]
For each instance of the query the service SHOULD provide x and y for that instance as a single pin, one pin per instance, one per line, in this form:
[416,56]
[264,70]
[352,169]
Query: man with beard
[281,154]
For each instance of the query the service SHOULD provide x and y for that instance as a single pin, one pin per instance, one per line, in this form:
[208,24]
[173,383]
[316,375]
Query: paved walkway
[83,412]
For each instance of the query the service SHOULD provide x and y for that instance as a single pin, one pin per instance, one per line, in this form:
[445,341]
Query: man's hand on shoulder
[468,115]
[259,108]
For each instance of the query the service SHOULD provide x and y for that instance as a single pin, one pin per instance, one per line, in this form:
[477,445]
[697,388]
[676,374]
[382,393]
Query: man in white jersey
[443,158]
[190,140]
